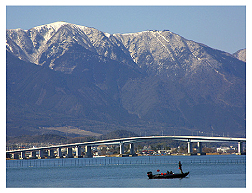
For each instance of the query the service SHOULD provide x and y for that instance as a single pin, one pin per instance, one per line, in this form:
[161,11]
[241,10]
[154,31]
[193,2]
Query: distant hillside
[118,134]
[46,138]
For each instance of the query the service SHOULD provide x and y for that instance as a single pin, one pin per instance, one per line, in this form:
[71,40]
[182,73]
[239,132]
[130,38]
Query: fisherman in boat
[180,167]
[165,176]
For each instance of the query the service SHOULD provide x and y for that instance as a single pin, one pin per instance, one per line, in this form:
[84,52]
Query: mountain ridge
[137,81]
[241,54]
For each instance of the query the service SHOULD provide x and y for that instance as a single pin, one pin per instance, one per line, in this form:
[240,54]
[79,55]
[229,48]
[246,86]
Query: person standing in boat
[180,167]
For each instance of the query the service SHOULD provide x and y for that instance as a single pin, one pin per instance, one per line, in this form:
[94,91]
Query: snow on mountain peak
[160,51]
[107,34]
[55,25]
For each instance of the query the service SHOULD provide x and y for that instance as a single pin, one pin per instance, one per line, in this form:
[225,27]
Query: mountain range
[66,79]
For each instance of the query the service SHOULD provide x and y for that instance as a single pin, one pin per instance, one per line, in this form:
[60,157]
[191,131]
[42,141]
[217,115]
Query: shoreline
[136,155]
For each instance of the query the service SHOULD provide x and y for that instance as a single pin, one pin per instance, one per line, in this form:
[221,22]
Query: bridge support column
[78,152]
[199,150]
[51,153]
[15,156]
[41,154]
[69,152]
[240,148]
[199,147]
[33,155]
[59,153]
[189,147]
[132,151]
[8,155]
[22,156]
[121,148]
[88,152]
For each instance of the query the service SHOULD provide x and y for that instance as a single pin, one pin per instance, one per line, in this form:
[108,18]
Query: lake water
[223,171]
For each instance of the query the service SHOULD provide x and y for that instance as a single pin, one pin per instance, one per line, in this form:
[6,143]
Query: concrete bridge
[50,150]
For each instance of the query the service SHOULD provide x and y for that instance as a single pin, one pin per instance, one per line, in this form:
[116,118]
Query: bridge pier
[78,152]
[240,148]
[199,150]
[33,155]
[132,151]
[15,156]
[189,147]
[199,147]
[22,155]
[88,152]
[8,155]
[41,154]
[121,148]
[59,153]
[69,152]
[51,153]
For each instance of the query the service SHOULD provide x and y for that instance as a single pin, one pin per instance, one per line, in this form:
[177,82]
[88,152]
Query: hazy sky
[220,27]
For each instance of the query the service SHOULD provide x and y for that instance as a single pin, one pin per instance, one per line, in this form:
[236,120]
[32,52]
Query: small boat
[168,175]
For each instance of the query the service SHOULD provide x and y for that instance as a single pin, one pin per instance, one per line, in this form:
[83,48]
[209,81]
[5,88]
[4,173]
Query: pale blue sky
[220,27]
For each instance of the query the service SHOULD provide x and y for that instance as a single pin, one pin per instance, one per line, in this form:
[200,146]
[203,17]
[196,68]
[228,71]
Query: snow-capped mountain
[241,55]
[42,45]
[161,52]
[143,80]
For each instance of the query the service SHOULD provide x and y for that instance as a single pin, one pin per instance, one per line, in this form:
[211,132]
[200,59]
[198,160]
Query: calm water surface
[224,171]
